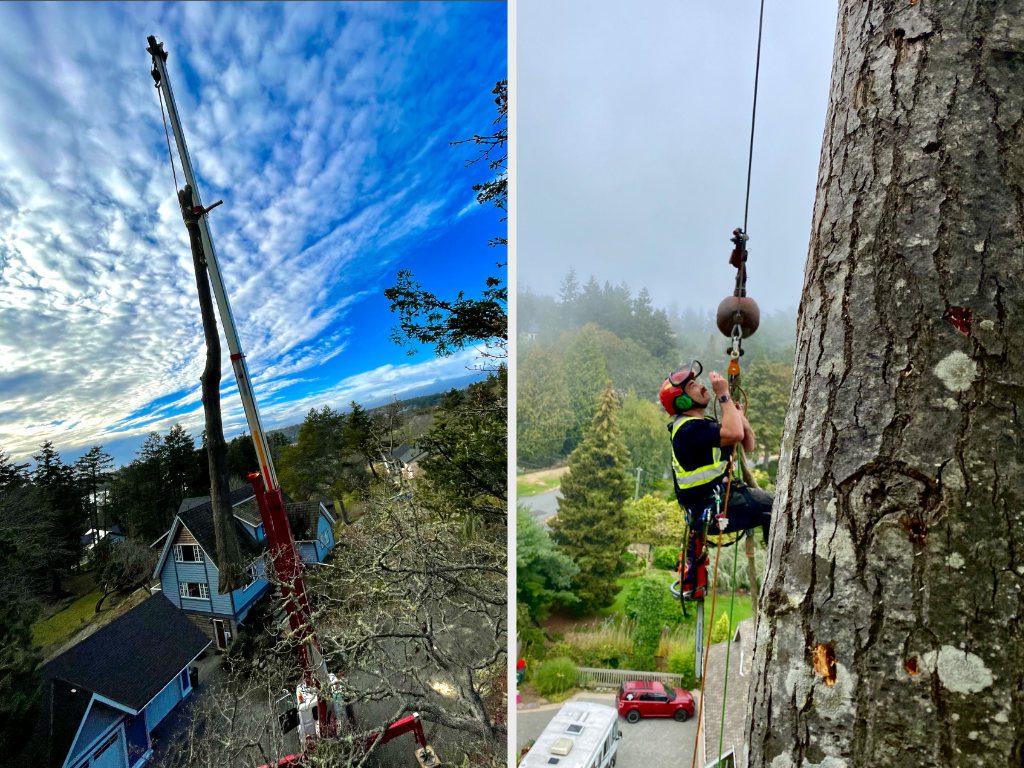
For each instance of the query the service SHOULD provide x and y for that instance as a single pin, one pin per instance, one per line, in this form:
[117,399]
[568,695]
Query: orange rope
[711,620]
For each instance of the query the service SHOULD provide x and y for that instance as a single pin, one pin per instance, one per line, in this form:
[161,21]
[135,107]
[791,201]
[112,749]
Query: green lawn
[532,483]
[65,623]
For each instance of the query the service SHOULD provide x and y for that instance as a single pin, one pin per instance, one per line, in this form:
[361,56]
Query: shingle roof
[128,661]
[199,521]
[303,517]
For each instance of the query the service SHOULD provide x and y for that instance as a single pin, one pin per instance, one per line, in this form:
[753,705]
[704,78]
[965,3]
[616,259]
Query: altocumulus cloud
[326,130]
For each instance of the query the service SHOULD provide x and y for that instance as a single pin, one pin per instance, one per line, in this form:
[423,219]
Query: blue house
[189,574]
[103,698]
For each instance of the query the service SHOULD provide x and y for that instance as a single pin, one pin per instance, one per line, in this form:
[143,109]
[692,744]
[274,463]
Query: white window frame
[204,590]
[179,553]
[253,573]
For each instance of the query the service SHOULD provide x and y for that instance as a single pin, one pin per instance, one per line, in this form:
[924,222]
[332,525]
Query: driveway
[542,505]
[654,742]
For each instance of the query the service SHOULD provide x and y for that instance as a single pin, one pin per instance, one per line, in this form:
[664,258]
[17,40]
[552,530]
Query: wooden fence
[588,677]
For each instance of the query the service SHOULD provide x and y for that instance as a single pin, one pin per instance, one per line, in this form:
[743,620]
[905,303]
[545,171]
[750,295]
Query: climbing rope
[167,133]
[753,116]
[728,649]
[714,597]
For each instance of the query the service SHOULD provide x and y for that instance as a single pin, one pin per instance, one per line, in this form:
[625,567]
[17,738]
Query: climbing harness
[737,318]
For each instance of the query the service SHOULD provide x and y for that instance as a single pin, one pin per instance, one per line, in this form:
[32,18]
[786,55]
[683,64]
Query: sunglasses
[680,377]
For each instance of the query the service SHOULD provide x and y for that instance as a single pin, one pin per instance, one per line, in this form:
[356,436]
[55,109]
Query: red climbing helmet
[671,395]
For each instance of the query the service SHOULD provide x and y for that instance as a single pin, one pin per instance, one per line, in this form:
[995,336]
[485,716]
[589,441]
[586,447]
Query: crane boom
[287,562]
[317,681]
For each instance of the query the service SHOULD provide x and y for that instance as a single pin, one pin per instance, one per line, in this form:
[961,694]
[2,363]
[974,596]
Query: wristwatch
[723,398]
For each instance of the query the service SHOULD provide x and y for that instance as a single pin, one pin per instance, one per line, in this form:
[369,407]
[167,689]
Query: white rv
[581,735]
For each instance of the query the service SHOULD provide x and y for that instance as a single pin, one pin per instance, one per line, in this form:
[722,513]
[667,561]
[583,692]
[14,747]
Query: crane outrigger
[317,706]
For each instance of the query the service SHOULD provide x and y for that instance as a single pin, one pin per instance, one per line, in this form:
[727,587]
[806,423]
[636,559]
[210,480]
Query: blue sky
[324,127]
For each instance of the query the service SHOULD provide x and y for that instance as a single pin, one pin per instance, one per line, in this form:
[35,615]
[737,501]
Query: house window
[194,590]
[186,683]
[188,553]
[325,537]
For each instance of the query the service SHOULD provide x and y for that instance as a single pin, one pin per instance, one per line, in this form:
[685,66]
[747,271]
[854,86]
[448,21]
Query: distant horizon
[132,444]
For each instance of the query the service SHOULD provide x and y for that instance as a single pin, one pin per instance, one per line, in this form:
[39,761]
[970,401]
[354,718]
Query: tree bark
[891,618]
[229,553]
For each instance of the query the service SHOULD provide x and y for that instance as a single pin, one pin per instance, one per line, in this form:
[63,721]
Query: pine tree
[591,523]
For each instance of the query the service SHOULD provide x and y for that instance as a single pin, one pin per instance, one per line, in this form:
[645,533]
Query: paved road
[655,742]
[543,505]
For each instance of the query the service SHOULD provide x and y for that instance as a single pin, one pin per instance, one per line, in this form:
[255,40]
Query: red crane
[318,710]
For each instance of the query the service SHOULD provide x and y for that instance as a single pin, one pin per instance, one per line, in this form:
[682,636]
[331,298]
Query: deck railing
[589,677]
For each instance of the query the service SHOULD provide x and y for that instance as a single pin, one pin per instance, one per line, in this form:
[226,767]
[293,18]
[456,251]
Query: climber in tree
[701,448]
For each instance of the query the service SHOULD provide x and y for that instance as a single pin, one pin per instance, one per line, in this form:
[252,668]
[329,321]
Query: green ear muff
[684,403]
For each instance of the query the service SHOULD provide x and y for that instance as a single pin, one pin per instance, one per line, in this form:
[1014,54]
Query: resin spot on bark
[825,662]
[960,318]
[912,667]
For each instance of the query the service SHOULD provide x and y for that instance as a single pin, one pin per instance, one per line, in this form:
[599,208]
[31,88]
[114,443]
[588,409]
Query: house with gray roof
[733,689]
[103,698]
[189,573]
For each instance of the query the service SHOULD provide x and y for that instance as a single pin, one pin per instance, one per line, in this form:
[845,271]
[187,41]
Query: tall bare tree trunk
[229,554]
[891,618]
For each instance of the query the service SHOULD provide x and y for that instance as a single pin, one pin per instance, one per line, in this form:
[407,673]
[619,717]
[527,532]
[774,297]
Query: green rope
[728,648]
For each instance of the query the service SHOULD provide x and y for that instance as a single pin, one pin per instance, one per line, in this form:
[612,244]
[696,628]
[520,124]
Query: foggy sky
[633,125]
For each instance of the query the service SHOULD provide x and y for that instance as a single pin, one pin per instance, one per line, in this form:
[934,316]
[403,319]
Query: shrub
[532,642]
[720,631]
[666,558]
[680,661]
[554,676]
[646,605]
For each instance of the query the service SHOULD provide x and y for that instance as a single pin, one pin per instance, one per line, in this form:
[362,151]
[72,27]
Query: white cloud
[304,118]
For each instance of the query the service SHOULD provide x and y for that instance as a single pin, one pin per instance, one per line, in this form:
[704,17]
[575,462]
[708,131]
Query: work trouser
[748,508]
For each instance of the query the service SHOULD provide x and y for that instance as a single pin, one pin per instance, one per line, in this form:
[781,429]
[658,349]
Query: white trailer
[581,735]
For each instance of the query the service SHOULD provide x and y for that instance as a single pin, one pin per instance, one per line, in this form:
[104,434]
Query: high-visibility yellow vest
[691,478]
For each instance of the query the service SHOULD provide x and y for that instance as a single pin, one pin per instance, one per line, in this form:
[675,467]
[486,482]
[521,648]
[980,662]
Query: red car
[643,698]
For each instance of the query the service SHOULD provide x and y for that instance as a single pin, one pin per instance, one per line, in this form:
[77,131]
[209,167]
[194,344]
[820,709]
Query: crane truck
[318,708]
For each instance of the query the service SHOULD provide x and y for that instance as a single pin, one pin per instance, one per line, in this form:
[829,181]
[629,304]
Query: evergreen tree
[543,574]
[359,437]
[91,472]
[585,374]
[314,467]
[466,471]
[569,291]
[544,414]
[12,475]
[646,438]
[591,524]
[182,466]
[62,513]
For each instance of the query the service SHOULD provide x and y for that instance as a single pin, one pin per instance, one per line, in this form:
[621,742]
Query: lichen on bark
[898,531]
